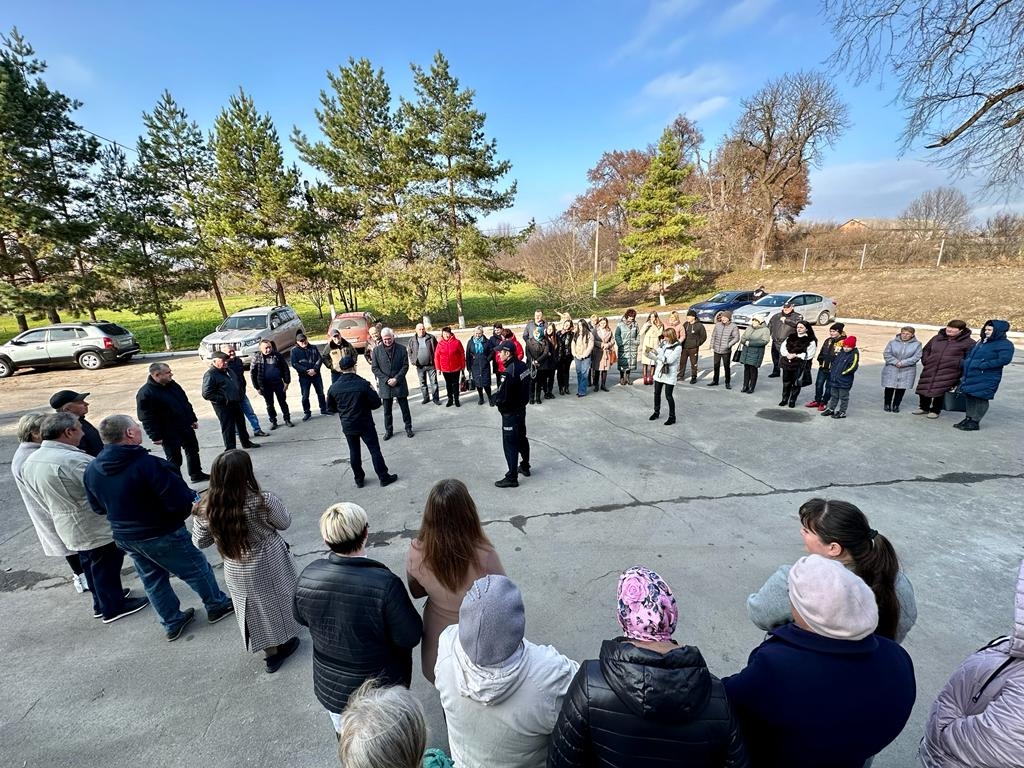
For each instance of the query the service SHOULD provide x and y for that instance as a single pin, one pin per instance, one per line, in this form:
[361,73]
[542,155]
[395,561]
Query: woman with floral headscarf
[646,700]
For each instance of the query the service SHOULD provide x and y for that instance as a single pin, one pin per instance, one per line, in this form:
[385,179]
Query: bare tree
[960,73]
[558,259]
[938,212]
[614,181]
[782,131]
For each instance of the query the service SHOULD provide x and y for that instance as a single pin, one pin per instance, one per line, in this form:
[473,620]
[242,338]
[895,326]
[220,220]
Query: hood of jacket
[115,459]
[999,330]
[489,685]
[656,686]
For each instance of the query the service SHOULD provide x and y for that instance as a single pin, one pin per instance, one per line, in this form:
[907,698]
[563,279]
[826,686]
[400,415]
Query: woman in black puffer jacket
[646,700]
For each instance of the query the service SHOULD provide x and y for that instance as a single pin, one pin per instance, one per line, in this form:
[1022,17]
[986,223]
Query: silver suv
[90,345]
[245,329]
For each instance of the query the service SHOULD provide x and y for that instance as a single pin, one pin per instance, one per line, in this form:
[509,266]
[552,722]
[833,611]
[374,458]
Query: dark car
[88,345]
[723,300]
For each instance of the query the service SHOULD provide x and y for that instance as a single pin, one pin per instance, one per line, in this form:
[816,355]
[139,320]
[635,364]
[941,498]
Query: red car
[354,327]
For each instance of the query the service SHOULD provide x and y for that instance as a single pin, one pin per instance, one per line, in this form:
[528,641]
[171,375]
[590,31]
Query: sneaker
[388,480]
[252,445]
[919,412]
[308,416]
[175,632]
[524,469]
[79,582]
[932,416]
[130,606]
[812,404]
[826,412]
[960,424]
[283,652]
[839,415]
[971,426]
[260,433]
[220,613]
[822,407]
[506,482]
[200,478]
[96,614]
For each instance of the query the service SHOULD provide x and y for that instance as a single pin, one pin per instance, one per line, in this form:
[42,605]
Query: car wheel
[823,318]
[6,368]
[91,361]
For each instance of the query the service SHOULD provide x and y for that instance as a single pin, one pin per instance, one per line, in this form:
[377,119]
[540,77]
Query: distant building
[911,227]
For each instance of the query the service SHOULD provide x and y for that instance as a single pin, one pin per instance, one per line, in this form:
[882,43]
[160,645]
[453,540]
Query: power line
[110,141]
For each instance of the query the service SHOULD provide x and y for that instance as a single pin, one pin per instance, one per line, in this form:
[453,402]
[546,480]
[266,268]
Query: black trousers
[231,419]
[893,396]
[403,406]
[689,354]
[514,441]
[305,382]
[451,385]
[776,355]
[668,396]
[102,568]
[791,378]
[355,454]
[270,390]
[563,374]
[723,359]
[546,377]
[186,441]
[749,377]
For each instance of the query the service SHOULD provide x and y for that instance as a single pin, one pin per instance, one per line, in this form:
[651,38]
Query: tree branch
[990,102]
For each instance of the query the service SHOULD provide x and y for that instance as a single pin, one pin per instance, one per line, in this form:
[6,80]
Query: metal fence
[936,253]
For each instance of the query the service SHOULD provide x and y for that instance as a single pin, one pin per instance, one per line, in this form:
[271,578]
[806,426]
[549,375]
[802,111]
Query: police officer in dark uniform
[511,399]
[353,399]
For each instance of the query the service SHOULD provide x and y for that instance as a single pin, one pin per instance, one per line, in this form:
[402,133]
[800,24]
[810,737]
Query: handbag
[955,400]
[806,380]
[613,357]
[463,383]
[736,355]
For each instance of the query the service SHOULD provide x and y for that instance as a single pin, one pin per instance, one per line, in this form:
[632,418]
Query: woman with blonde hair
[666,366]
[259,569]
[605,339]
[449,553]
[650,336]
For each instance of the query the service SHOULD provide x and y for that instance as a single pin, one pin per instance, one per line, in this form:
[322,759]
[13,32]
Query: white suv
[245,329]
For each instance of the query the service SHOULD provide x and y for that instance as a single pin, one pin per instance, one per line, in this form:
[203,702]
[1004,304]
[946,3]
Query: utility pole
[597,240]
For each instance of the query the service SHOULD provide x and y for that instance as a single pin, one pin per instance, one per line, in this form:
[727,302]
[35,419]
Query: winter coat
[805,700]
[164,410]
[91,441]
[429,342]
[666,363]
[222,386]
[940,362]
[752,345]
[649,337]
[907,354]
[37,513]
[769,607]
[627,339]
[537,352]
[303,360]
[550,362]
[983,366]
[143,496]
[259,371]
[605,342]
[844,366]
[782,326]
[828,350]
[801,346]
[442,607]
[262,583]
[696,335]
[519,353]
[332,353]
[977,720]
[237,368]
[582,345]
[362,623]
[724,338]
[502,716]
[478,360]
[391,366]
[354,399]
[635,706]
[54,476]
[449,357]
[565,339]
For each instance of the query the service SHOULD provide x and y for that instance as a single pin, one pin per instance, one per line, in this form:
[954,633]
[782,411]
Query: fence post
[942,246]
[863,253]
[804,268]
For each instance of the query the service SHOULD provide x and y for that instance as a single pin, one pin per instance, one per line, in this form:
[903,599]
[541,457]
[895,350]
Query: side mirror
[220,327]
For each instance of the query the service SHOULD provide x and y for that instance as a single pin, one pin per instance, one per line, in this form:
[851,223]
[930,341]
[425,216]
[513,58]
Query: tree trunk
[216,292]
[279,287]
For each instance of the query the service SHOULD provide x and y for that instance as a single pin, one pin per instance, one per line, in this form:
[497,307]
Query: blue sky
[561,82]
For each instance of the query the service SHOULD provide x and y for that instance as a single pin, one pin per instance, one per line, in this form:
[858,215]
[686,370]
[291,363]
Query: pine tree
[175,154]
[661,221]
[458,173]
[249,207]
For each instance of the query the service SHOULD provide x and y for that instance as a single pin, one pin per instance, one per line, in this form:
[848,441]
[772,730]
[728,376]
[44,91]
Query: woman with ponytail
[839,530]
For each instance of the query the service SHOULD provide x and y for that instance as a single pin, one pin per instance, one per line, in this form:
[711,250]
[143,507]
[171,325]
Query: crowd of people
[830,685]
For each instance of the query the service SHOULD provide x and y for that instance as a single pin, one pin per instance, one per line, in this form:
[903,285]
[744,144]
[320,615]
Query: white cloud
[706,108]
[659,14]
[743,13]
[879,189]
[983,212]
[707,78]
[66,70]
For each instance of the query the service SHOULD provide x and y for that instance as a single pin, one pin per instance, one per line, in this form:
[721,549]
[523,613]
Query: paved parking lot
[710,503]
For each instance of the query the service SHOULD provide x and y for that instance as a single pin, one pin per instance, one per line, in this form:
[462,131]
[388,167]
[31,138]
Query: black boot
[604,381]
[785,394]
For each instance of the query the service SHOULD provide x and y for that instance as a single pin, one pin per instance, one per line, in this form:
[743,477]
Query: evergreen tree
[456,167]
[45,191]
[175,154]
[139,241]
[249,207]
[661,221]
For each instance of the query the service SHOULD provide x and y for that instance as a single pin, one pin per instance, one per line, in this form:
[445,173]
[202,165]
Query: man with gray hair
[421,352]
[146,502]
[390,363]
[169,419]
[54,477]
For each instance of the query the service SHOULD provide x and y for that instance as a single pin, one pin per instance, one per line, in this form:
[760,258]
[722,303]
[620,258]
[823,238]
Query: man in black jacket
[511,399]
[147,502]
[222,387]
[307,361]
[781,326]
[271,377]
[69,401]
[353,399]
[169,419]
[694,338]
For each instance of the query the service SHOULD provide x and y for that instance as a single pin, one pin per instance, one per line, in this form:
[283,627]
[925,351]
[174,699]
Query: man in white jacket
[501,694]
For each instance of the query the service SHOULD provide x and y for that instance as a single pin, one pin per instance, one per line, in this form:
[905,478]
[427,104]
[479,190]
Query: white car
[244,330]
[813,307]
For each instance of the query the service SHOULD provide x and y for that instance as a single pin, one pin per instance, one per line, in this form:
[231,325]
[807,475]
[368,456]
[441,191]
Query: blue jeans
[822,391]
[250,414]
[582,373]
[173,553]
[305,382]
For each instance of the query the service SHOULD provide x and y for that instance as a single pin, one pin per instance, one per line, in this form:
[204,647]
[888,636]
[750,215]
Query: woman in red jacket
[450,360]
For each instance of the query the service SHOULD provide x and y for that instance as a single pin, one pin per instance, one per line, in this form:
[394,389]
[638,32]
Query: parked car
[354,327]
[89,345]
[721,301]
[814,307]
[244,330]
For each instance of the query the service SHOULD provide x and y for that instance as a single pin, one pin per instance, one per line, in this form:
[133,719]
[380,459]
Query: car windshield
[347,323]
[245,323]
[721,298]
[772,300]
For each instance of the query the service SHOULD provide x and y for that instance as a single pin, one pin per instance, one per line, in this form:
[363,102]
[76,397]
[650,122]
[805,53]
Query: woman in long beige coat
[449,553]
[650,338]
